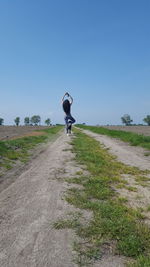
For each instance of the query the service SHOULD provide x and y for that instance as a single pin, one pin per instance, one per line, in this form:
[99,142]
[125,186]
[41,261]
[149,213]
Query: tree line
[126,119]
[34,120]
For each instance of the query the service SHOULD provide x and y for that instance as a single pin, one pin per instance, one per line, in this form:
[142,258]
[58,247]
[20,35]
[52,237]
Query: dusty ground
[32,203]
[135,129]
[12,132]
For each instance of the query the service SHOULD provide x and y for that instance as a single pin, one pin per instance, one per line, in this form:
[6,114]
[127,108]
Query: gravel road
[28,208]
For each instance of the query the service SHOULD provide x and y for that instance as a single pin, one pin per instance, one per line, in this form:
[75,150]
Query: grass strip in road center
[132,138]
[18,149]
[113,221]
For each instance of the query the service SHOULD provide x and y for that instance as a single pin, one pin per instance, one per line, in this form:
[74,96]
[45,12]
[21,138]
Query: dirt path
[130,155]
[30,205]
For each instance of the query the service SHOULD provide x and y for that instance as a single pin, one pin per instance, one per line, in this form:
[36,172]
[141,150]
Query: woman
[69,120]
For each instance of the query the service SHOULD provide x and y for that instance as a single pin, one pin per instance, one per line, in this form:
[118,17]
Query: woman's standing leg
[66,122]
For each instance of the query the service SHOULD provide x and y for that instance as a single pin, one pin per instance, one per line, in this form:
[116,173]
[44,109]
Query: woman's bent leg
[69,120]
[72,119]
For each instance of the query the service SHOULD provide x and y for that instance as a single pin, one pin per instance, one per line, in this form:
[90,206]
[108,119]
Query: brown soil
[12,132]
[145,130]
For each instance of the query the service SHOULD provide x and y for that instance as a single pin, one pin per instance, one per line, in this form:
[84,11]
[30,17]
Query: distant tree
[26,121]
[1,121]
[35,119]
[126,119]
[147,119]
[48,121]
[17,121]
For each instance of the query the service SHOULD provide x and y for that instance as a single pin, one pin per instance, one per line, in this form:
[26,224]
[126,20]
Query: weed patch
[143,261]
[71,223]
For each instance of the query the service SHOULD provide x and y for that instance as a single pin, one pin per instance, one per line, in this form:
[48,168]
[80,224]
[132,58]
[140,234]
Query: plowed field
[135,129]
[12,132]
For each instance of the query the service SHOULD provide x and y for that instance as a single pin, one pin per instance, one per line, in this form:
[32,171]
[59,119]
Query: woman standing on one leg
[69,120]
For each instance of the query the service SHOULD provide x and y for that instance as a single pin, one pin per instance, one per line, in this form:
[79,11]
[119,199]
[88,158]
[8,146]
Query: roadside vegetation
[19,149]
[113,223]
[132,138]
[48,122]
[1,121]
[126,119]
[17,121]
[34,120]
[147,120]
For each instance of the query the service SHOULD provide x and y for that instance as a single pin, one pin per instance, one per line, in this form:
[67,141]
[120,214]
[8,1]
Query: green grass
[143,261]
[71,223]
[143,181]
[112,218]
[148,208]
[132,138]
[18,149]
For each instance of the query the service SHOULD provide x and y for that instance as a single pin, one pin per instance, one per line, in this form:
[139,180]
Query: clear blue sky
[98,50]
